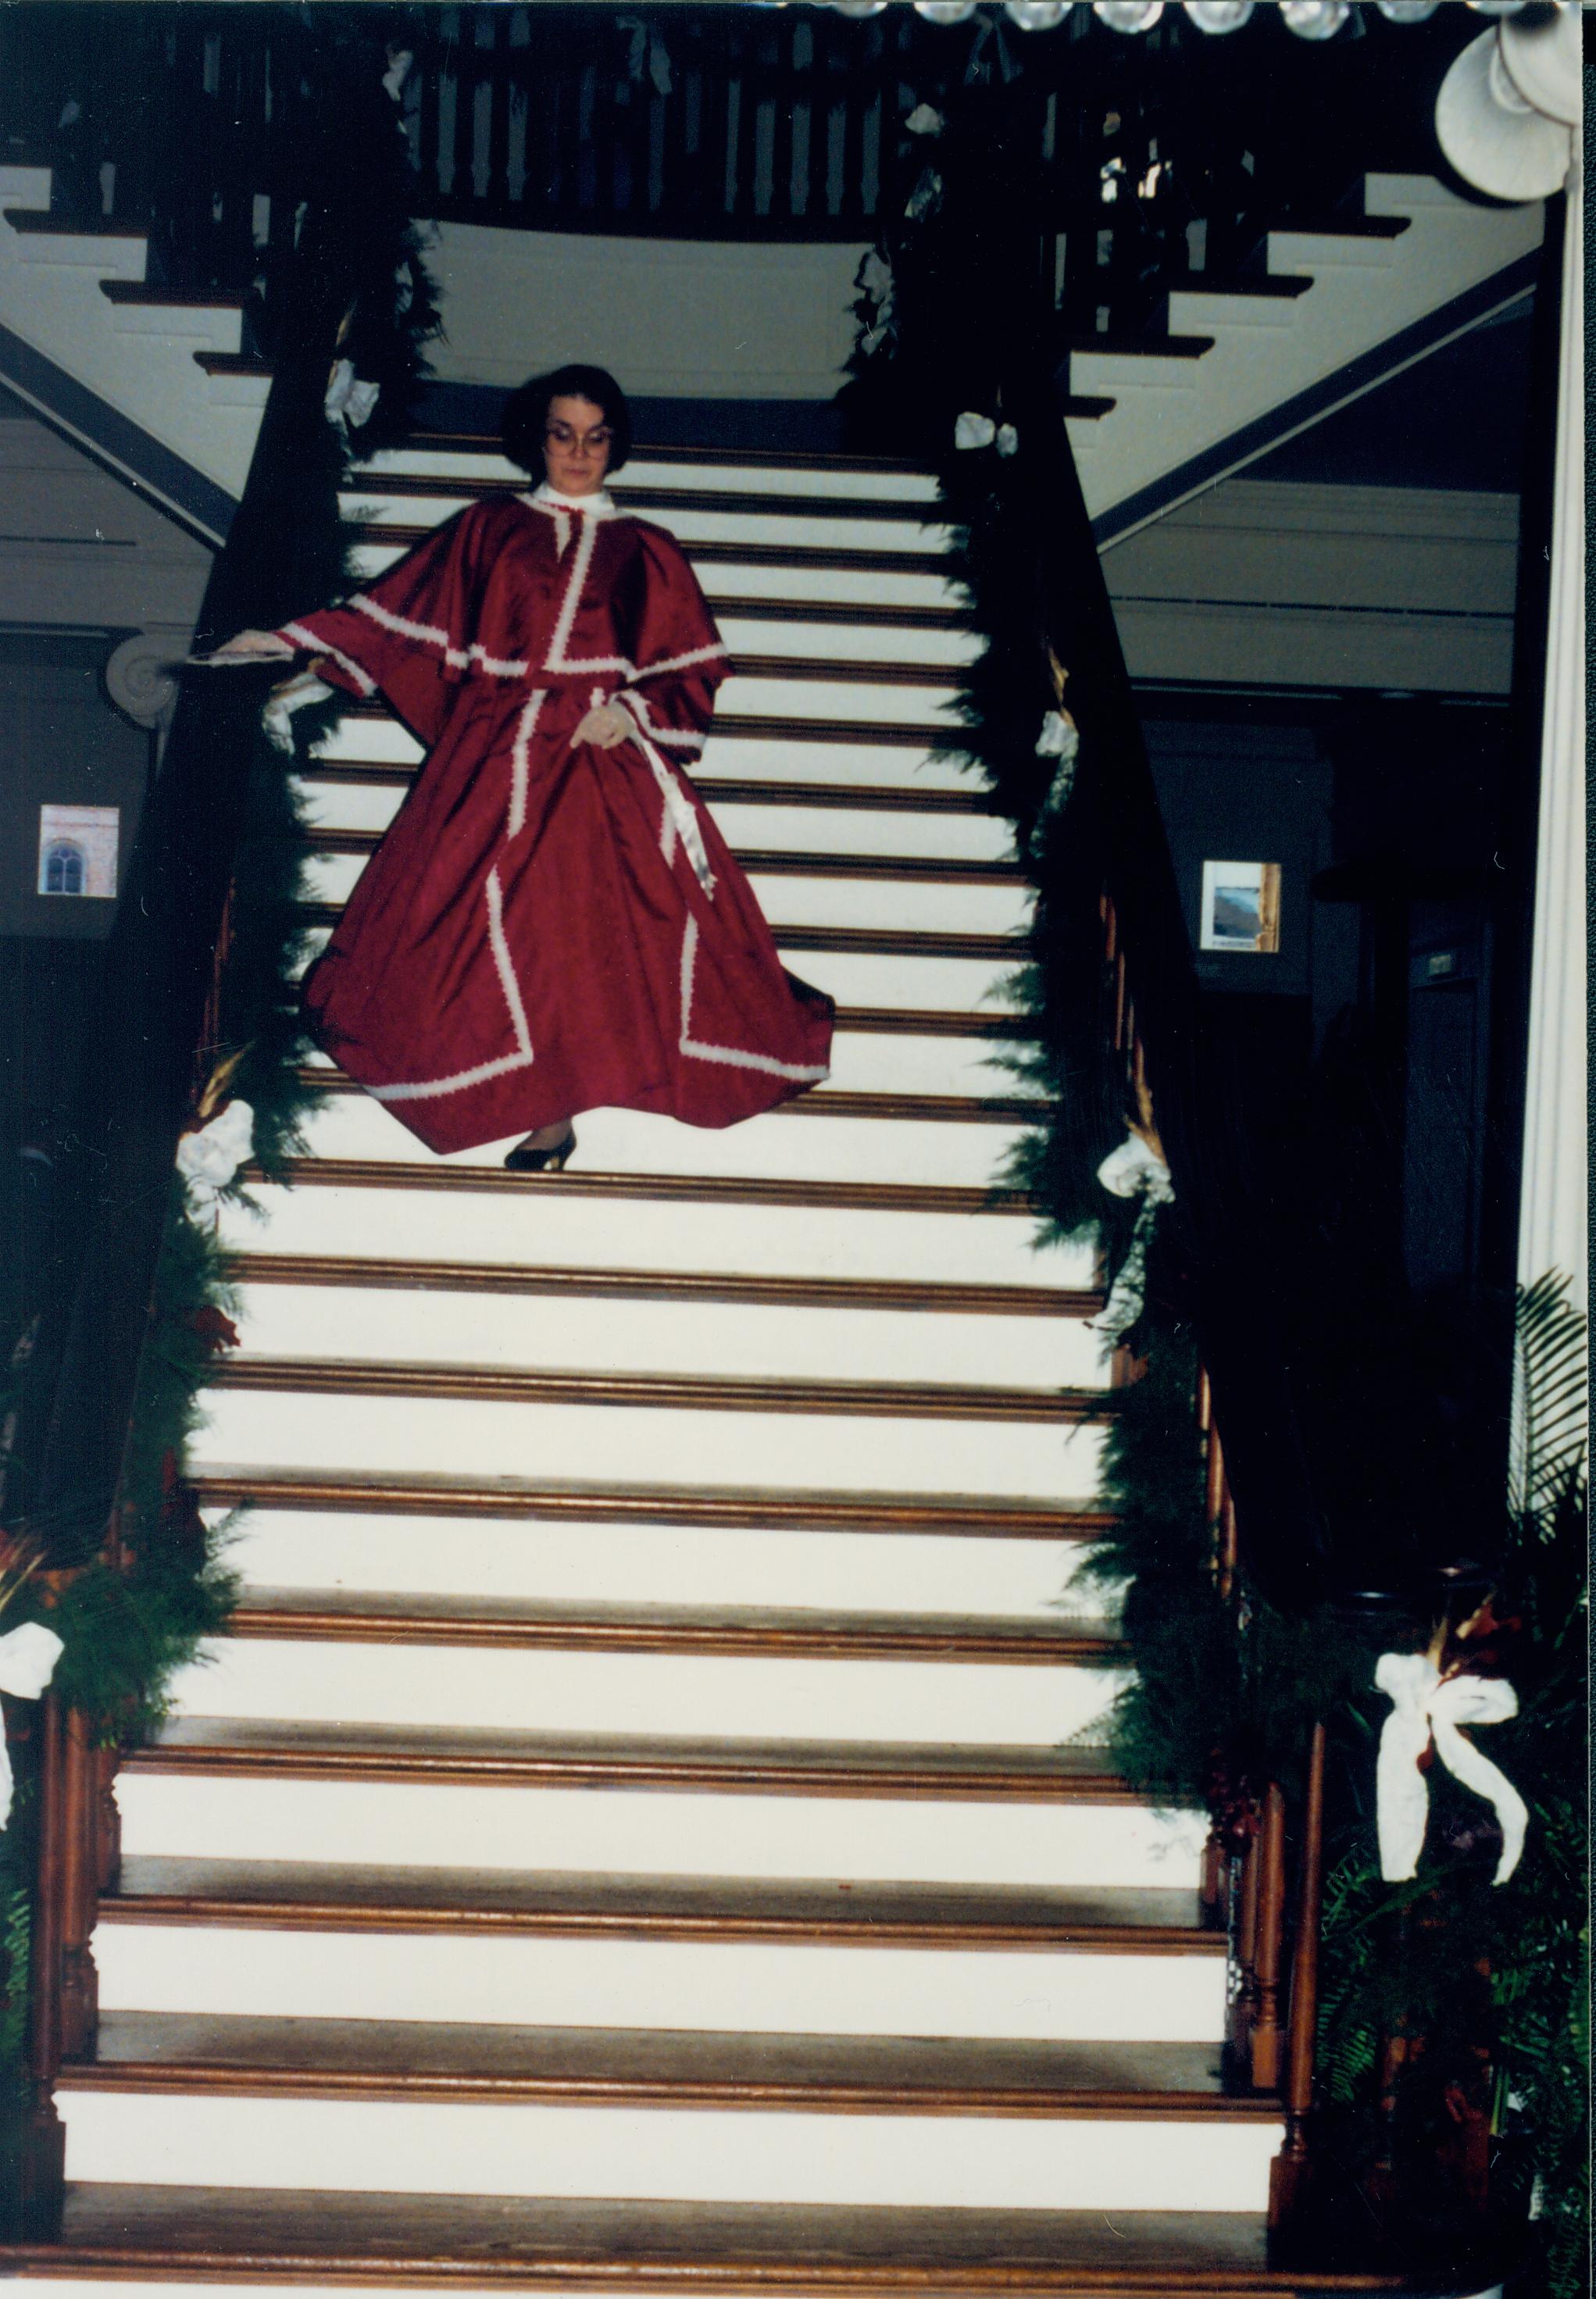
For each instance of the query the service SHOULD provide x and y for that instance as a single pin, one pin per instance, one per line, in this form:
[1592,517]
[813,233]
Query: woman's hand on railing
[250,646]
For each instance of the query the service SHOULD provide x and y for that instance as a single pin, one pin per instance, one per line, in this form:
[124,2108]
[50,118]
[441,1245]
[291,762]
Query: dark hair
[527,411]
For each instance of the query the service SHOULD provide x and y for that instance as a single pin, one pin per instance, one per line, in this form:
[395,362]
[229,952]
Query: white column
[1552,1215]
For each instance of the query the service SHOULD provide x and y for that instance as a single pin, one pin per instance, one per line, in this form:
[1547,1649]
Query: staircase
[1244,362]
[644,1828]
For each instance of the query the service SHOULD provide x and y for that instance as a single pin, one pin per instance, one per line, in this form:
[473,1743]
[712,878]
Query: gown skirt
[549,927]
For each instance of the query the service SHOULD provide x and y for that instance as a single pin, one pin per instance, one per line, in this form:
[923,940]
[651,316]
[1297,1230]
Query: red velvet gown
[550,927]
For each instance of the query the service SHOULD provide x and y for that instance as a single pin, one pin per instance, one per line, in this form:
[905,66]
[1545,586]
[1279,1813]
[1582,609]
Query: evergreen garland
[132,1614]
[1480,1984]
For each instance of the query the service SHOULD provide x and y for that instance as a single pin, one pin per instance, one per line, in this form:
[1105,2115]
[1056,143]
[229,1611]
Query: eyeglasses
[593,442]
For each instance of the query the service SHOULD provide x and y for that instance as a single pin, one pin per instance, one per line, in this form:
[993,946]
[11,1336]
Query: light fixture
[1129,15]
[859,7]
[1496,7]
[1037,15]
[1407,12]
[1227,15]
[1493,136]
[1315,19]
[945,12]
[1543,61]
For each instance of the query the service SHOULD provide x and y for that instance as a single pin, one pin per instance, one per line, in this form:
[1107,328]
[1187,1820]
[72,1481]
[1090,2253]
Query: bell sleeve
[679,655]
[410,636]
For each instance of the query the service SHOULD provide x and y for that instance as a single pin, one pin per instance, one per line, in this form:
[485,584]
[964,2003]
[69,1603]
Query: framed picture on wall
[78,851]
[1241,908]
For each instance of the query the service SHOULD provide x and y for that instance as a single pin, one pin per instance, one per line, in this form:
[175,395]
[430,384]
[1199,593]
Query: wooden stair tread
[441,1493]
[662,1392]
[939,736]
[279,1893]
[828,1101]
[235,363]
[651,496]
[727,790]
[355,1616]
[407,1752]
[153,297]
[402,1275]
[669,2068]
[531,2242]
[1120,344]
[39,223]
[875,942]
[958,1199]
[776,862]
[314,1896]
[486,442]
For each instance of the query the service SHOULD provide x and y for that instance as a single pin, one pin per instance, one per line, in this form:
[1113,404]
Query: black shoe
[523,1160]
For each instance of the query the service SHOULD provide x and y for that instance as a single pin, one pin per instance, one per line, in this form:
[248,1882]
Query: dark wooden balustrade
[1147,163]
[154,1046]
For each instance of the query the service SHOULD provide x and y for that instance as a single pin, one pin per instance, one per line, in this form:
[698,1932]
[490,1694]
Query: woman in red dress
[553,923]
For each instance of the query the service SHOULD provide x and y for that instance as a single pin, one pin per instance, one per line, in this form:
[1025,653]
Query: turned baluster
[1243,1955]
[1264,2044]
[1290,2171]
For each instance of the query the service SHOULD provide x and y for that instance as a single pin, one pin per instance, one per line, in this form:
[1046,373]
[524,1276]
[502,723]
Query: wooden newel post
[1289,2172]
[79,1890]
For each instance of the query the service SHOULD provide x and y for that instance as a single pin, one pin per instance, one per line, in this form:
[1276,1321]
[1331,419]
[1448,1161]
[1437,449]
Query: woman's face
[576,446]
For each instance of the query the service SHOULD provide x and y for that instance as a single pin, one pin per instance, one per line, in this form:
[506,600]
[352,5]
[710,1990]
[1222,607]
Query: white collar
[601,504]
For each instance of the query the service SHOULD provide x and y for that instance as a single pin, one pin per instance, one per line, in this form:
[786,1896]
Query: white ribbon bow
[974,431]
[283,701]
[1426,1706]
[681,820]
[348,400]
[1058,738]
[27,1658]
[209,1158]
[925,120]
[1136,1170]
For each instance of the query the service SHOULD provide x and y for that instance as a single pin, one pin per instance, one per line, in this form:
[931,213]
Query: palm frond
[1547,1448]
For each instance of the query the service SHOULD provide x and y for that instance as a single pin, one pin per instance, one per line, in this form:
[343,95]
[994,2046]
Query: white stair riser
[866,978]
[976,2162]
[756,1986]
[759,583]
[858,640]
[770,696]
[659,1565]
[901,766]
[536,1225]
[788,529]
[682,1337]
[895,906]
[870,1061]
[786,829]
[792,1452]
[644,470]
[680,1696]
[642,1832]
[777,1147]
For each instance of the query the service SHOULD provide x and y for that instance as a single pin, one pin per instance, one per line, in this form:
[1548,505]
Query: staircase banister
[1223,1244]
[147,1063]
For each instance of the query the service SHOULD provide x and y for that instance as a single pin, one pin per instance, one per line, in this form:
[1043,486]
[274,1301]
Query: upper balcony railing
[1145,163]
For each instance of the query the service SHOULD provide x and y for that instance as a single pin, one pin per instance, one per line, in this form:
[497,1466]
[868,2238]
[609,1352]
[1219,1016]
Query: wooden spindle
[1290,2172]
[1210,1891]
[1264,2044]
[79,1887]
[1243,1951]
